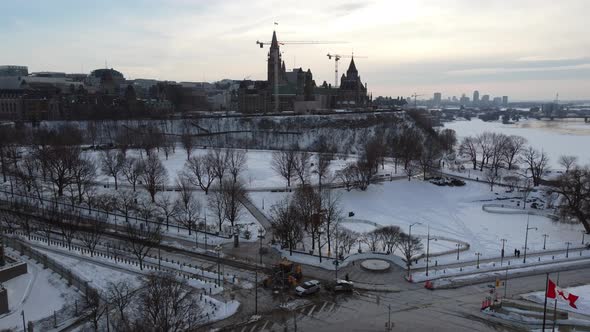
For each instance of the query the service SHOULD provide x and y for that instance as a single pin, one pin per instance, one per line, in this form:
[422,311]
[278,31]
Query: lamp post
[567,249]
[526,237]
[478,254]
[502,252]
[205,230]
[428,238]
[218,250]
[545,236]
[458,245]
[260,236]
[409,241]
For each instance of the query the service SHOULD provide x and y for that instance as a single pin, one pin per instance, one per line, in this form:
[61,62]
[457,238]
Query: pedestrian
[514,252]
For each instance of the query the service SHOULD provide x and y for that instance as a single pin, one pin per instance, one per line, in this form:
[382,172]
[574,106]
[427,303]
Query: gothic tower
[274,60]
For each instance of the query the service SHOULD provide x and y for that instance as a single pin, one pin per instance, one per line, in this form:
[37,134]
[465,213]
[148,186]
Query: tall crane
[415,95]
[275,56]
[337,58]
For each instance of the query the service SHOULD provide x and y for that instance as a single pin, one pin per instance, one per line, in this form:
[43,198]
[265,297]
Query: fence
[48,206]
[509,209]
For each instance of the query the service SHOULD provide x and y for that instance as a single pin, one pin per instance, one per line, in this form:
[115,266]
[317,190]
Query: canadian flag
[553,291]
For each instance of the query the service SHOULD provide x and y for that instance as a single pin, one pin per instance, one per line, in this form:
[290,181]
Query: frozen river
[555,137]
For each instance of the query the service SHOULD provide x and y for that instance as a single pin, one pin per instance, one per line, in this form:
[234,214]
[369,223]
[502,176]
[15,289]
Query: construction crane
[275,56]
[337,58]
[415,96]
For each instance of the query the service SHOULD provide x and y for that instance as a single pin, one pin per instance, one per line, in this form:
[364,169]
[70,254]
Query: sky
[526,49]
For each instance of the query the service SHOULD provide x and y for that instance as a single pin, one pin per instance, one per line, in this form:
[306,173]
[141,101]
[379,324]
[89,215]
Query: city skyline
[419,47]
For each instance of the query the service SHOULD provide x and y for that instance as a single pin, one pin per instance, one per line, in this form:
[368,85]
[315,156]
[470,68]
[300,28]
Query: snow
[583,302]
[26,292]
[555,137]
[453,213]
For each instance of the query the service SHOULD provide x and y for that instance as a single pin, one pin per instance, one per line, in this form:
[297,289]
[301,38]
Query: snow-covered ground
[583,302]
[27,291]
[556,137]
[453,213]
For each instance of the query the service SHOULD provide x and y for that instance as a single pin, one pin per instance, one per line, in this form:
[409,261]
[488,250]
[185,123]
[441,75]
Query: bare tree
[347,239]
[574,188]
[331,214]
[307,203]
[492,177]
[91,235]
[485,147]
[154,175]
[322,167]
[60,162]
[514,147]
[411,169]
[468,148]
[347,176]
[233,192]
[410,143]
[219,163]
[372,239]
[536,163]
[142,239]
[168,304]
[568,162]
[301,165]
[200,172]
[131,169]
[120,295]
[167,207]
[283,163]
[111,163]
[84,174]
[390,237]
[216,203]
[409,247]
[188,206]
[96,307]
[430,153]
[236,163]
[188,143]
[68,228]
[285,224]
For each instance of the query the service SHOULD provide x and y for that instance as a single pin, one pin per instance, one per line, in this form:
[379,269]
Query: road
[413,309]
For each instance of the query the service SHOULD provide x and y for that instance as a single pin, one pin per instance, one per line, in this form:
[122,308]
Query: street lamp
[526,237]
[409,241]
[260,236]
[218,250]
[478,254]
[428,238]
[567,249]
[545,236]
[458,245]
[502,252]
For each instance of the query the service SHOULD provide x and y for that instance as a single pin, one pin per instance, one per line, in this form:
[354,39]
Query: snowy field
[556,137]
[453,213]
[25,292]
[583,303]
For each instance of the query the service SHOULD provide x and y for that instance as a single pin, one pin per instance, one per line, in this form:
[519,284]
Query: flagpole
[545,306]
[555,306]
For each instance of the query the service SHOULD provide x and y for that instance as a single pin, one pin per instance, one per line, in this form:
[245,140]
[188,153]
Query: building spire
[351,67]
[274,43]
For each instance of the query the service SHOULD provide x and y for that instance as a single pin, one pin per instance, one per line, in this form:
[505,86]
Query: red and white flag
[554,291]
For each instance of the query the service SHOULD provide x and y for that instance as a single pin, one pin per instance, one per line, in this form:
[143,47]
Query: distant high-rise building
[475,97]
[504,101]
[464,100]
[437,98]
[485,100]
[455,100]
[497,101]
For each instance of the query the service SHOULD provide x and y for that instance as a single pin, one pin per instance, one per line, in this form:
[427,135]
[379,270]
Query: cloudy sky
[527,49]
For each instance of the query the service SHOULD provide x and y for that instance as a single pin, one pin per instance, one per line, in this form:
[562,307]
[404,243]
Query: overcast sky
[524,49]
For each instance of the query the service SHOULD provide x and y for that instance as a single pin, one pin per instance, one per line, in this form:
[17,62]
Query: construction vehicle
[285,274]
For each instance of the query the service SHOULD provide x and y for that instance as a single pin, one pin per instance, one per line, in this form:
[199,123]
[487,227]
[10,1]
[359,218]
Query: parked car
[308,287]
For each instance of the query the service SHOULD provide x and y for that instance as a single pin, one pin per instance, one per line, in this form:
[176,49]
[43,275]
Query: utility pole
[567,250]
[260,236]
[478,254]
[409,241]
[389,327]
[427,249]
[458,245]
[502,252]
[526,237]
[545,236]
